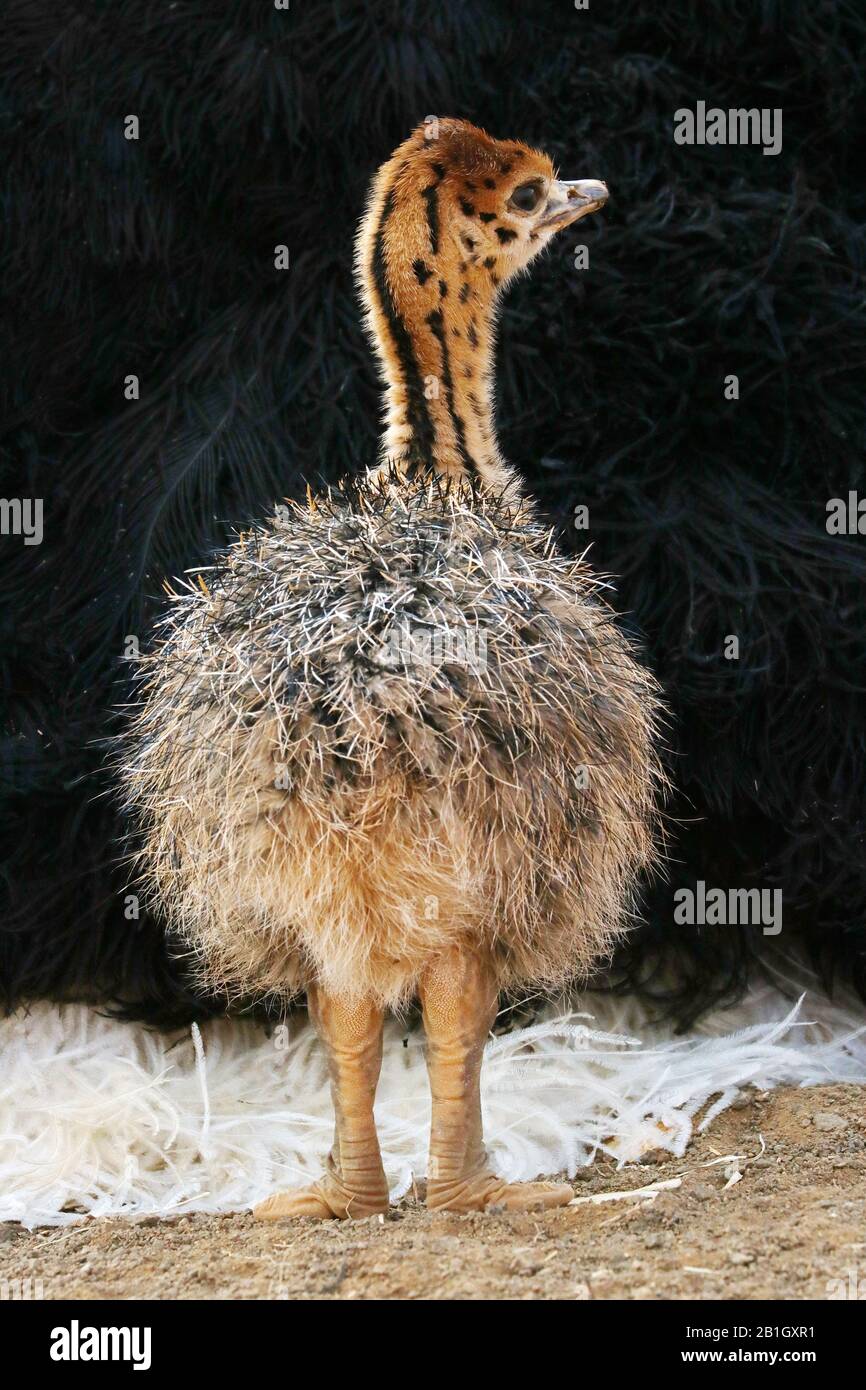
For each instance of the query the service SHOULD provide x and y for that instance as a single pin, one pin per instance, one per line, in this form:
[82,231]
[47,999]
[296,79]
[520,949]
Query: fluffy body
[384,724]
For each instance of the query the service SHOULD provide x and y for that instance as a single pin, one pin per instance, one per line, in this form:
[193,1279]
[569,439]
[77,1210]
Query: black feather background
[155,257]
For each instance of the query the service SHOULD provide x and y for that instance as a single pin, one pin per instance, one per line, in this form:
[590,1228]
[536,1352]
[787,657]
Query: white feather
[110,1119]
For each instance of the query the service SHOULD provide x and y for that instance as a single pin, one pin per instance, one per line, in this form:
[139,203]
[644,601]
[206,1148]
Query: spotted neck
[431,302]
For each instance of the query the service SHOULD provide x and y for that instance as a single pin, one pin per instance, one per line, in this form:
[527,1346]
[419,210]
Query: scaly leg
[458,998]
[354,1183]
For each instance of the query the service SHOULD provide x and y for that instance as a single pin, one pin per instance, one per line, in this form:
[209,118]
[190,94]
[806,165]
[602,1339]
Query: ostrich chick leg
[354,1183]
[458,997]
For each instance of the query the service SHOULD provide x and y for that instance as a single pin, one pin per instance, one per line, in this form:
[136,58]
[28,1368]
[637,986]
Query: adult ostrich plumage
[393,743]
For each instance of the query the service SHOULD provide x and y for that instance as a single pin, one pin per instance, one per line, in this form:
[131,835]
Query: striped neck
[431,301]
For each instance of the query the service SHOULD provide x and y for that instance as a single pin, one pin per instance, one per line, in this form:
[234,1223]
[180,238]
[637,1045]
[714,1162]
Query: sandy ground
[793,1226]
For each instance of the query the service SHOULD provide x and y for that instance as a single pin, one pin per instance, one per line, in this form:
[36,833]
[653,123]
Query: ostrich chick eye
[526,197]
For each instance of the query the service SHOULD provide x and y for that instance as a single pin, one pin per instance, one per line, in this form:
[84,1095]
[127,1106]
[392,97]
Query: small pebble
[827,1120]
[656,1156]
[741,1257]
[702,1191]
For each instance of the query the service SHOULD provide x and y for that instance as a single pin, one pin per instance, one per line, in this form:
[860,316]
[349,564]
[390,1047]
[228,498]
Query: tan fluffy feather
[321,794]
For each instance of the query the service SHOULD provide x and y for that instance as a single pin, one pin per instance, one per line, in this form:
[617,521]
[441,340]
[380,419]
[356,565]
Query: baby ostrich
[392,744]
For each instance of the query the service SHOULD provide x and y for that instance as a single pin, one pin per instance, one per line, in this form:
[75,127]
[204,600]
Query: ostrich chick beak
[571,199]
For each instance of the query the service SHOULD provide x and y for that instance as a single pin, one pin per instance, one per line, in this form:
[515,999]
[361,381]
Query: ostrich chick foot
[329,1198]
[354,1183]
[486,1192]
[458,997]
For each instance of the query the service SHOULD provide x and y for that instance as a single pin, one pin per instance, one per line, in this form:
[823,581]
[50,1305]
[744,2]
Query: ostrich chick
[392,744]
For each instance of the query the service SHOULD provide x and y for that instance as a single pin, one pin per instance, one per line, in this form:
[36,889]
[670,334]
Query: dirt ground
[793,1226]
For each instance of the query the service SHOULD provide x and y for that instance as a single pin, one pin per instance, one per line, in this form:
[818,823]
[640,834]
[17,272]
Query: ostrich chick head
[452,217]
